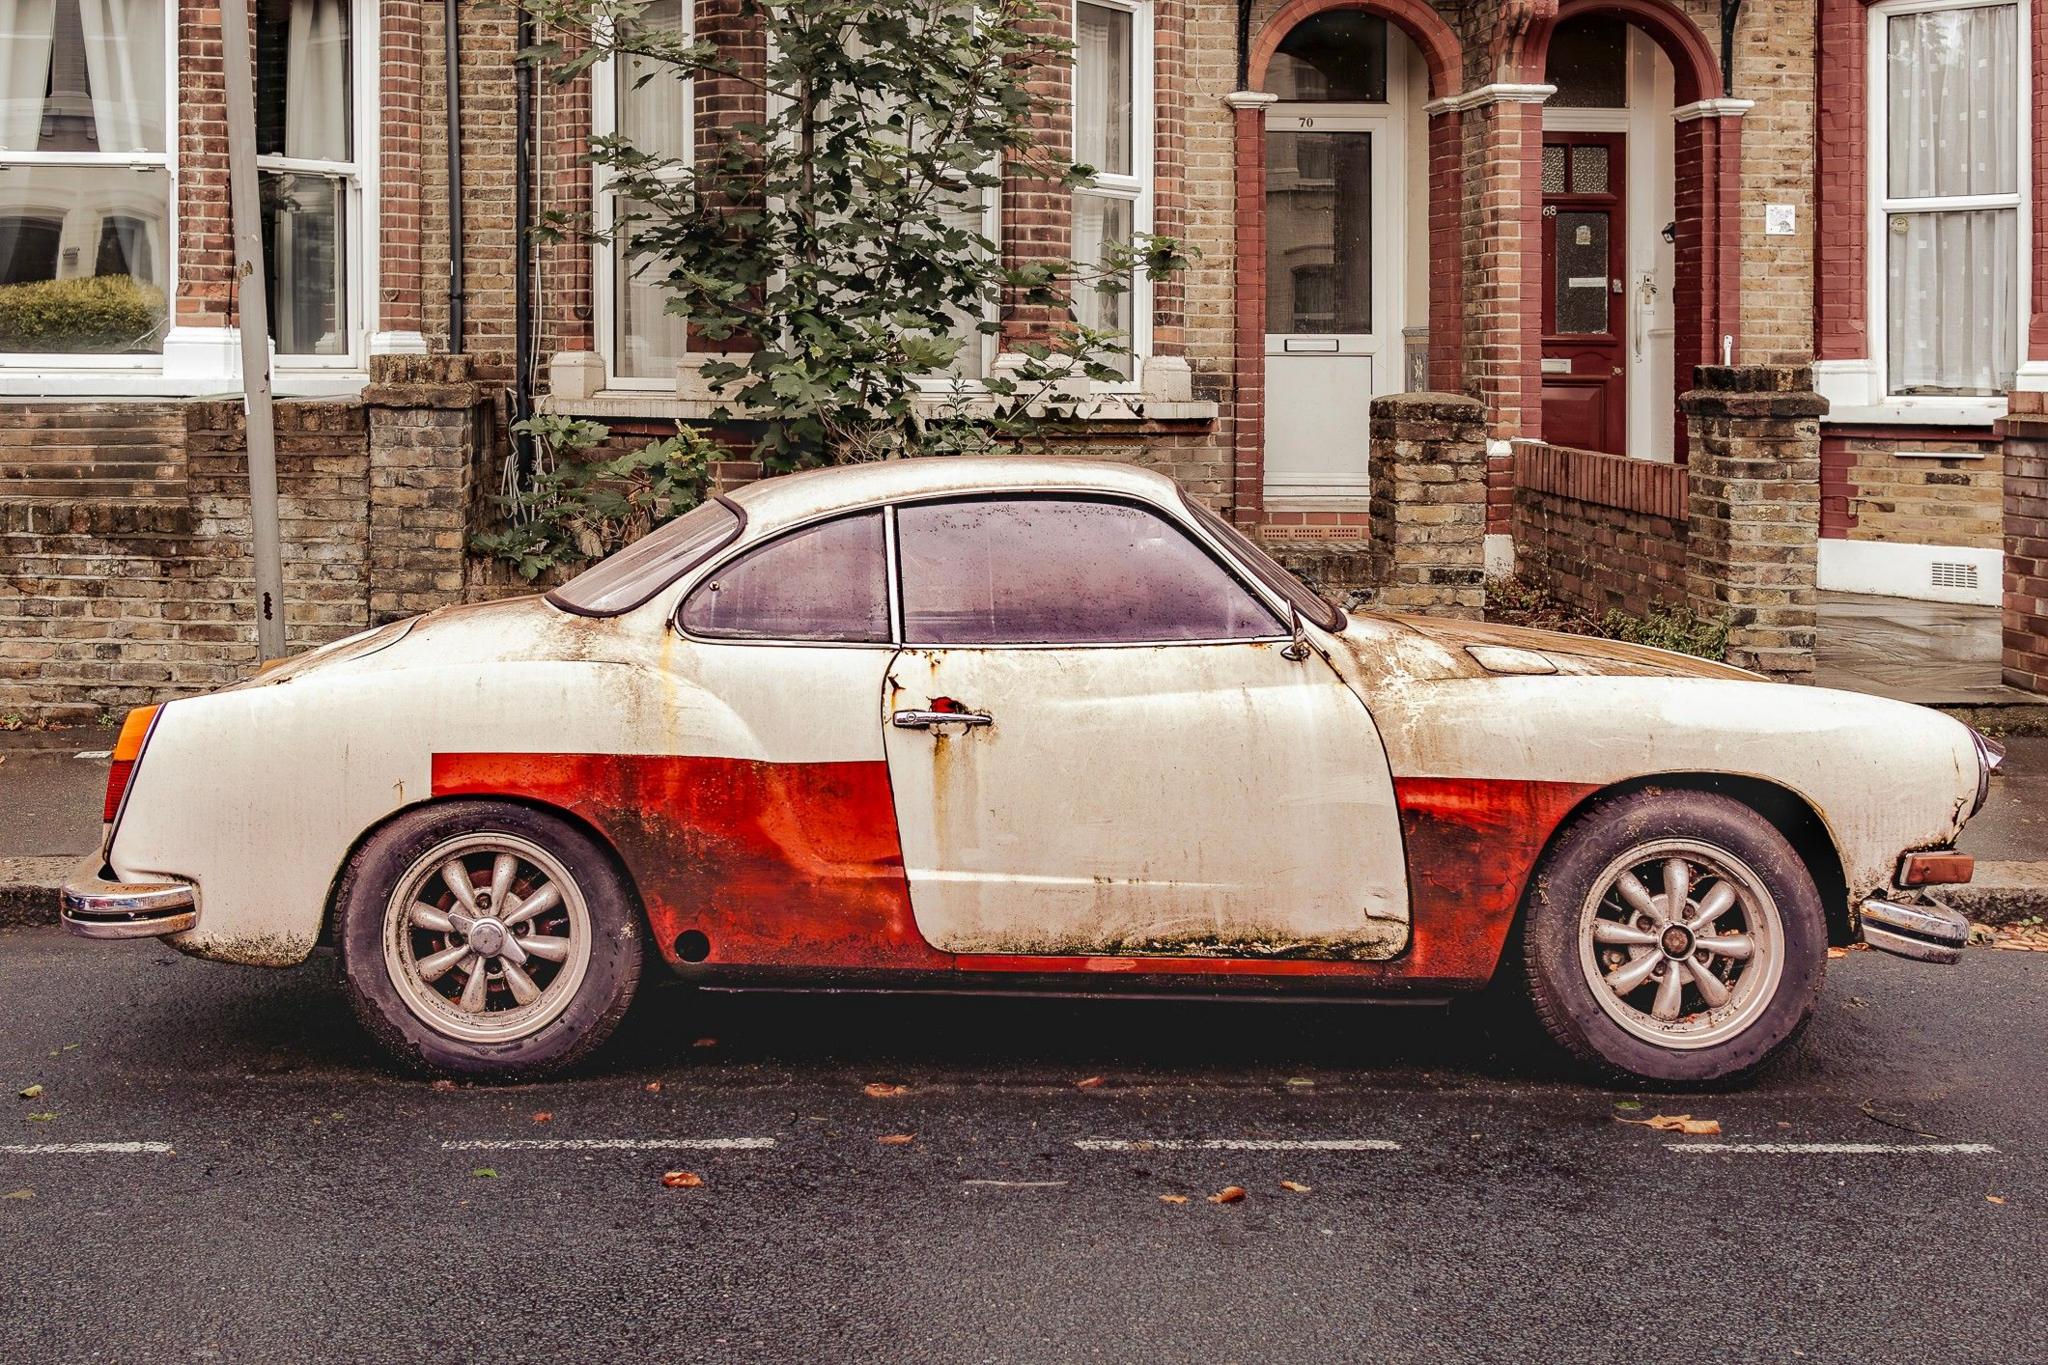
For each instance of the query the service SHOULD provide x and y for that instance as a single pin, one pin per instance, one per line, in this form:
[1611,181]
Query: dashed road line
[1018,1184]
[94,753]
[87,1149]
[734,1144]
[1236,1145]
[1837,1148]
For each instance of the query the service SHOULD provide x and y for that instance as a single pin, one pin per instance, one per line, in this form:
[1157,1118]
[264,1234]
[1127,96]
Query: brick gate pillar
[2025,656]
[1754,538]
[1429,503]
[426,429]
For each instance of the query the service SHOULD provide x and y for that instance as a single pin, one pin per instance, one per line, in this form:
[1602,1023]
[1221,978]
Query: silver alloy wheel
[1681,943]
[487,937]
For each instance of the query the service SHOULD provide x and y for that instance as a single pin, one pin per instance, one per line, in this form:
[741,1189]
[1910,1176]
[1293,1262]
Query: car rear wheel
[1674,937]
[489,940]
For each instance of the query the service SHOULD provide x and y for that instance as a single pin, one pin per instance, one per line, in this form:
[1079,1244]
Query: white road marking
[738,1144]
[94,753]
[1236,1145]
[1839,1148]
[1019,1184]
[87,1149]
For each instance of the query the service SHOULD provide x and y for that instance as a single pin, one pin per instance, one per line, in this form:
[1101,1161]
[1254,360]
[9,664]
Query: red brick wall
[2026,544]
[1602,531]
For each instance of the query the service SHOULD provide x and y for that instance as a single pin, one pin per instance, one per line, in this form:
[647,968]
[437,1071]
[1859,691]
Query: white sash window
[1113,135]
[644,102]
[1948,176]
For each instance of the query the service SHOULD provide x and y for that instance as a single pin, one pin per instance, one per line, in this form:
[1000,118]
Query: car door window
[1063,571]
[828,582]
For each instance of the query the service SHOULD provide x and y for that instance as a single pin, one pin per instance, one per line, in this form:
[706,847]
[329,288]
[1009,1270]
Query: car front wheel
[1674,937]
[486,939]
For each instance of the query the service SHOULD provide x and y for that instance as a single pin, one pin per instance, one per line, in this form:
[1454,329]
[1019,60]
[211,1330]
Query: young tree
[830,246]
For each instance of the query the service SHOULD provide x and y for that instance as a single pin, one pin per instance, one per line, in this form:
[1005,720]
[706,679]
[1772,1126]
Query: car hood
[1428,646]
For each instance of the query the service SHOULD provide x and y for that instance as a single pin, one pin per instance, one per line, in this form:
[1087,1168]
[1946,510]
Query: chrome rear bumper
[1927,931]
[98,908]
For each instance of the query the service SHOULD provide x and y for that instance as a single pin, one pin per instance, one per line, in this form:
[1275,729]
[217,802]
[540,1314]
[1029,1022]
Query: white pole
[251,297]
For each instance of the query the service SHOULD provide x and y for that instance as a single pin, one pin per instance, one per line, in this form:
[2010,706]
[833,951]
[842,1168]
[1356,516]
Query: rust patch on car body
[776,864]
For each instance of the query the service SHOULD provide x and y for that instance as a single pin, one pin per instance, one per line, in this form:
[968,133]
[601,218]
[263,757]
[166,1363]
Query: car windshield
[648,565]
[1270,571]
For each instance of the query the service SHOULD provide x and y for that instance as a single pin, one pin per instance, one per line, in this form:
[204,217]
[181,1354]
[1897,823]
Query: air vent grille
[1949,573]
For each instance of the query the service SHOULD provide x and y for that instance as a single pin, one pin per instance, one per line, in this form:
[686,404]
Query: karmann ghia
[1024,725]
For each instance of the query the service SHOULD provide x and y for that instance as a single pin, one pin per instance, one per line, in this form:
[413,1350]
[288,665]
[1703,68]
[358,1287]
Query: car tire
[1702,997]
[464,986]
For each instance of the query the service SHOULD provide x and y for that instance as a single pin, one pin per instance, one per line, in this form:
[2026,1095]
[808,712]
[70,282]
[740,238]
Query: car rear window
[628,578]
[828,582]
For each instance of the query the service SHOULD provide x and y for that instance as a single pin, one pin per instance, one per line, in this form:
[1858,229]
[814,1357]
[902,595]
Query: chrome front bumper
[99,908]
[1927,931]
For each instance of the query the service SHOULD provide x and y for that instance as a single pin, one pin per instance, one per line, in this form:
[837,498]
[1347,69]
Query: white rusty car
[1024,725]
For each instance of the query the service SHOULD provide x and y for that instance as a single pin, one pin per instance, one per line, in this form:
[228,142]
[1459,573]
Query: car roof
[792,498]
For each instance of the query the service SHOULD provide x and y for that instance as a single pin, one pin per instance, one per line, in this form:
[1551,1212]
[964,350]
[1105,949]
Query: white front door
[1333,279]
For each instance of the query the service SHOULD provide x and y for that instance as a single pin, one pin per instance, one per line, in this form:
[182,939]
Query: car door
[1098,746]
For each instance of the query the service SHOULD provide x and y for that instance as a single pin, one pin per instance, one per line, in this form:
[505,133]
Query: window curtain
[316,84]
[124,65]
[1102,89]
[1952,276]
[26,28]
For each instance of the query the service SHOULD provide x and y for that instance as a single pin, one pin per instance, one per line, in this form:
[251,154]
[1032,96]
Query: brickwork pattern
[1429,504]
[1918,490]
[1752,543]
[1602,531]
[2025,654]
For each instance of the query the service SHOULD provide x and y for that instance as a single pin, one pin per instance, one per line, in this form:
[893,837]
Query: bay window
[85,182]
[1948,174]
[642,101]
[1113,137]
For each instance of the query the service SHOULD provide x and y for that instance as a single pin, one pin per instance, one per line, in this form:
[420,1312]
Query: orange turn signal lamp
[127,749]
[1944,867]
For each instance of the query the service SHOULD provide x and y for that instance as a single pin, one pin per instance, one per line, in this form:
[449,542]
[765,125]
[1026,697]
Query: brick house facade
[1557,208]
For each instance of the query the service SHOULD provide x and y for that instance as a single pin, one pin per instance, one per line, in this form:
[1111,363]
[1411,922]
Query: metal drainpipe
[1731,11]
[451,25]
[522,246]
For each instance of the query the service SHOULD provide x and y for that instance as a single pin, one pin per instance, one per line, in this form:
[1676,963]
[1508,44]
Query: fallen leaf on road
[882,1090]
[40,1118]
[1838,952]
[1302,1081]
[1229,1194]
[543,1116]
[1173,1199]
[34,1092]
[1630,1105]
[705,1042]
[1679,1123]
[652,1087]
[682,1180]
[30,1194]
[897,1139]
[484,1173]
[1088,1083]
[444,1085]
[1994,1199]
[1294,1187]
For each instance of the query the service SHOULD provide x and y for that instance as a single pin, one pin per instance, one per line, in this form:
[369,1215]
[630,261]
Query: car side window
[828,582]
[1063,571]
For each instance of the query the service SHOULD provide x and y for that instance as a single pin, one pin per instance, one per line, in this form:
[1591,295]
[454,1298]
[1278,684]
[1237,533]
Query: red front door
[1584,240]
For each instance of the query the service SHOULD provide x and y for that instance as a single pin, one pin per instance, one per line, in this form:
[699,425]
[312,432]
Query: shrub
[1674,628]
[100,313]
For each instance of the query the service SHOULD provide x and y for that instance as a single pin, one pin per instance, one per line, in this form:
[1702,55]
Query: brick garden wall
[1601,531]
[108,602]
[2025,655]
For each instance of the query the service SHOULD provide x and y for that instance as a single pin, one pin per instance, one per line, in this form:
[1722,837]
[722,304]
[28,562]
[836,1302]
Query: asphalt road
[1466,1200]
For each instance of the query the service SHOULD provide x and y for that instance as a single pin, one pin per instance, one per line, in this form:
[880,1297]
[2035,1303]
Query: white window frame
[1963,409]
[606,278]
[1137,187]
[361,253]
[28,366]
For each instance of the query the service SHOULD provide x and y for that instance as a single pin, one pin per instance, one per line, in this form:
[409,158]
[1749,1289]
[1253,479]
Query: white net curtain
[1952,212]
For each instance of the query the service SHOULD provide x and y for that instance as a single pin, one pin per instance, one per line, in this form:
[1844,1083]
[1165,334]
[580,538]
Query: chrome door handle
[925,720]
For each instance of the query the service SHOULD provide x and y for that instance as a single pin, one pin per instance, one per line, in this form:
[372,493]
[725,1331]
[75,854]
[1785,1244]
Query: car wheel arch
[1788,811]
[329,917]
